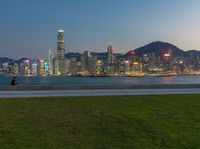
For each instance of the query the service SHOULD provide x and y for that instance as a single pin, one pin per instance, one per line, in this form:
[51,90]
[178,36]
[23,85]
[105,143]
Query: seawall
[99,86]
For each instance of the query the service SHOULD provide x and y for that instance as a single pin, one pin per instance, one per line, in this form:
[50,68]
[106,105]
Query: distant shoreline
[96,76]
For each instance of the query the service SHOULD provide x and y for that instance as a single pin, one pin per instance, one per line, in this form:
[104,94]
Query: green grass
[135,122]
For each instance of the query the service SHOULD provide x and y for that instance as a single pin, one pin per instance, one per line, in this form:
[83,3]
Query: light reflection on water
[167,80]
[101,80]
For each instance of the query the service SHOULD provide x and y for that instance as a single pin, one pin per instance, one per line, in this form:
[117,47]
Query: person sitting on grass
[14,81]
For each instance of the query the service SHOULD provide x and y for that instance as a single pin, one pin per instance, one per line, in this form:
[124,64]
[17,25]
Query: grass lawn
[124,122]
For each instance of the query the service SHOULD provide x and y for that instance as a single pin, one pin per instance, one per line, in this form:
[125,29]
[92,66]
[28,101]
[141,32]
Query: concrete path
[95,92]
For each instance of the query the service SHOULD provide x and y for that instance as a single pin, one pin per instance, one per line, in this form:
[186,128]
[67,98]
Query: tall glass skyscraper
[110,60]
[61,52]
[110,51]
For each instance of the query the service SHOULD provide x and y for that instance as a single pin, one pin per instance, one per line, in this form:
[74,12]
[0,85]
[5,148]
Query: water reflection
[130,80]
[167,80]
[101,80]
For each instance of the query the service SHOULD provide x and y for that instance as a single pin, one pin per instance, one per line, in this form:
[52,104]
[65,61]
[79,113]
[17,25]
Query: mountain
[159,48]
[6,60]
[72,54]
[193,52]
[21,60]
[100,55]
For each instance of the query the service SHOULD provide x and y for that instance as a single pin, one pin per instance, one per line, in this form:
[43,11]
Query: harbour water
[5,80]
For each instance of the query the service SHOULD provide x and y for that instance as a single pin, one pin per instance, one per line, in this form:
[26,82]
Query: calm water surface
[4,80]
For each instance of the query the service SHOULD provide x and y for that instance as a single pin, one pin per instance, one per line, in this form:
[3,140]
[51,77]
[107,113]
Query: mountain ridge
[156,47]
[159,48]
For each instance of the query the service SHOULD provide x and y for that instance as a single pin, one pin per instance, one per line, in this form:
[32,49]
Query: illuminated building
[99,67]
[46,68]
[110,60]
[167,61]
[134,62]
[34,68]
[21,69]
[110,51]
[41,67]
[153,64]
[60,57]
[145,64]
[5,67]
[79,68]
[132,55]
[50,63]
[124,67]
[88,63]
[168,55]
[55,66]
[121,68]
[15,69]
[73,66]
[67,64]
[26,67]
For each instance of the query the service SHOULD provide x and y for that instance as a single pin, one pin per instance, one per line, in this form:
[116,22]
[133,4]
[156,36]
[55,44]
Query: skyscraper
[61,52]
[110,54]
[110,60]
[88,63]
[50,63]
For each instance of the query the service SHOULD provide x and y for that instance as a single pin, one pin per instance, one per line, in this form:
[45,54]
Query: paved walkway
[95,92]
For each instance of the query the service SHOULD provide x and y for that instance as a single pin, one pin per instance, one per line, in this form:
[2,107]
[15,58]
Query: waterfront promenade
[96,90]
[95,86]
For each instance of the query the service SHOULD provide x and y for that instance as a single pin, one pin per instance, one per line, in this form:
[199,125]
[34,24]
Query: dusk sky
[28,28]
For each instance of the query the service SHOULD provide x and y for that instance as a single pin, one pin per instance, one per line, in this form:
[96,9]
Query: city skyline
[91,25]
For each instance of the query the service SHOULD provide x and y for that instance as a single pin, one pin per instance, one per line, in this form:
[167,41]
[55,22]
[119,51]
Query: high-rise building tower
[110,54]
[61,52]
[110,60]
[50,63]
[88,63]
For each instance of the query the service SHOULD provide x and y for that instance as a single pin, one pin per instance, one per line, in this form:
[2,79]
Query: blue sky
[28,28]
